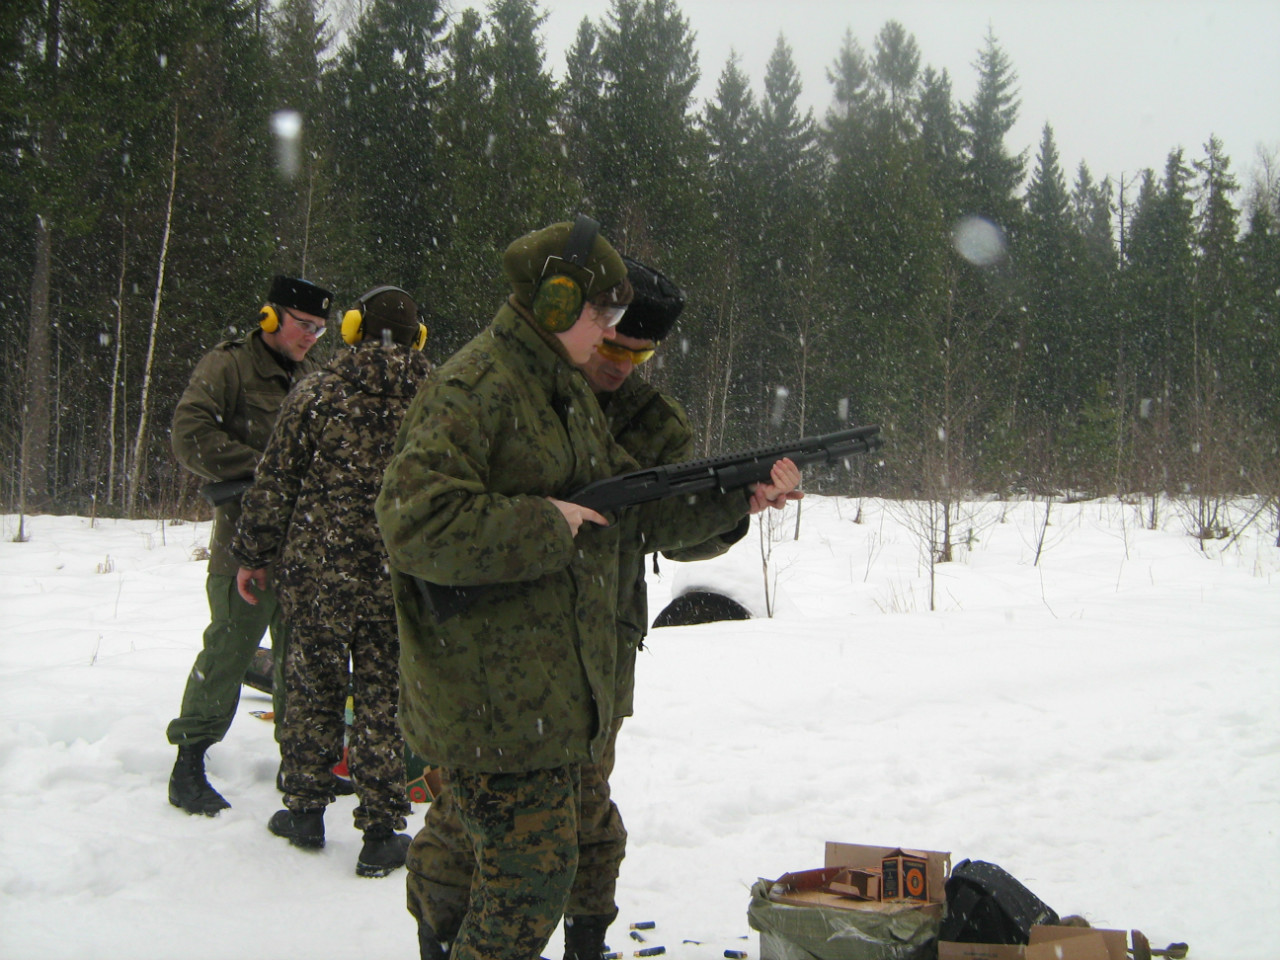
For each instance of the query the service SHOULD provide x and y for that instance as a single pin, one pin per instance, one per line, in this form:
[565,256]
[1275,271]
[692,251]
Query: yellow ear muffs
[268,319]
[352,328]
[352,322]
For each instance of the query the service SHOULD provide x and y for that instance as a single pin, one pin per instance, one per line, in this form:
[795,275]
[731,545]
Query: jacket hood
[380,369]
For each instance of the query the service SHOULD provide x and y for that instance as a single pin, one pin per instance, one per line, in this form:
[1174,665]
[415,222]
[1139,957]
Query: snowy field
[1104,724]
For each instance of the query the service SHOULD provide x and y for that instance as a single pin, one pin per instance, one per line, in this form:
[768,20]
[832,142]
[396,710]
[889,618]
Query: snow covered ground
[1104,724]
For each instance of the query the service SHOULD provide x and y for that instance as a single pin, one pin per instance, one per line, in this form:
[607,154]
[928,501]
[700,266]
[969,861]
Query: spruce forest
[1015,328]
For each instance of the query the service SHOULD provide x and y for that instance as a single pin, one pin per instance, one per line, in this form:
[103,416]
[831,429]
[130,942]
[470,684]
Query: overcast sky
[1121,82]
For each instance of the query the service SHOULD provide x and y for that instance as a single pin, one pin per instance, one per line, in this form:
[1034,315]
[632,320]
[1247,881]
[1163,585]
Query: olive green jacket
[655,430]
[524,679]
[223,420]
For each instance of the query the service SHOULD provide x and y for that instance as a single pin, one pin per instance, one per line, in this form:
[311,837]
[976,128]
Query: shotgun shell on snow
[636,936]
[650,952]
[736,954]
[616,955]
[643,925]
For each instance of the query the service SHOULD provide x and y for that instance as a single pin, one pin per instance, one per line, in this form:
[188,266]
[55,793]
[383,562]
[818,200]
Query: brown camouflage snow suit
[311,511]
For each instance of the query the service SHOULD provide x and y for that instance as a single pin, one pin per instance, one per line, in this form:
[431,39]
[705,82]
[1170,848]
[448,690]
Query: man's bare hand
[784,477]
[244,577]
[574,514]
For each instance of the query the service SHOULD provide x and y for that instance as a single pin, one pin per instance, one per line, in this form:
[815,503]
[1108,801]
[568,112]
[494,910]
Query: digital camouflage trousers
[503,901]
[325,662]
[441,864]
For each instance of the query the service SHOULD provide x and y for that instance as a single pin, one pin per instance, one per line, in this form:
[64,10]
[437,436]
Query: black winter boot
[584,936]
[188,787]
[384,850]
[429,946]
[305,829]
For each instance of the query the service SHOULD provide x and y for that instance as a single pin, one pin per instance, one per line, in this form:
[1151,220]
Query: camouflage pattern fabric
[655,430]
[316,673]
[519,687]
[310,511]
[602,839]
[224,418]
[525,680]
[440,863]
[523,827]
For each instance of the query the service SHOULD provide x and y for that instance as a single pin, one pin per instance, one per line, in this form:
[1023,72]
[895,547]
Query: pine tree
[729,122]
[500,163]
[583,112]
[1161,271]
[1099,440]
[992,174]
[1220,303]
[984,298]
[1260,254]
[643,150]
[786,305]
[1053,340]
[896,66]
[884,240]
[1158,279]
[301,42]
[385,100]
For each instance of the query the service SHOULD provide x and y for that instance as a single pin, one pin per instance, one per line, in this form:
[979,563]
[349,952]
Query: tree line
[1015,328]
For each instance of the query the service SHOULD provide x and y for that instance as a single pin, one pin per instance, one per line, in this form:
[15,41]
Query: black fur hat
[655,307]
[301,295]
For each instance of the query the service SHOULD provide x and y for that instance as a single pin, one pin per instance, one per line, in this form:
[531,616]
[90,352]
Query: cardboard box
[799,916]
[937,867]
[1047,943]
[855,883]
[903,875]
[799,888]
[811,888]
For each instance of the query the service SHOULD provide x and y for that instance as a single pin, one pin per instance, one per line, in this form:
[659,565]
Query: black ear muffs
[560,295]
[268,319]
[352,328]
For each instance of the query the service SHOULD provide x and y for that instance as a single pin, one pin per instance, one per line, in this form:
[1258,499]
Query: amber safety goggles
[617,353]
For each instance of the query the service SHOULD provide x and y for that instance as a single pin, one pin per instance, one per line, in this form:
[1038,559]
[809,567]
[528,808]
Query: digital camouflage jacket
[223,420]
[524,679]
[310,508]
[655,430]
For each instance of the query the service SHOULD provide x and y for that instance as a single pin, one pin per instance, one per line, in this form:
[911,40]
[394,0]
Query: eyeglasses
[314,330]
[617,353]
[607,316]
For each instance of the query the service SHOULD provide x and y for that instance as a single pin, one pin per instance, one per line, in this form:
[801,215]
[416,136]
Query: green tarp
[827,933]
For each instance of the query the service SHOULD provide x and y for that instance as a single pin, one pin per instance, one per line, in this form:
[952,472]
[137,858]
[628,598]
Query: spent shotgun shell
[616,955]
[643,925]
[636,936]
[736,954]
[650,952]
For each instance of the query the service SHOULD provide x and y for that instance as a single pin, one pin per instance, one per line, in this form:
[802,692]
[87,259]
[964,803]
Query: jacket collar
[543,350]
[266,364]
